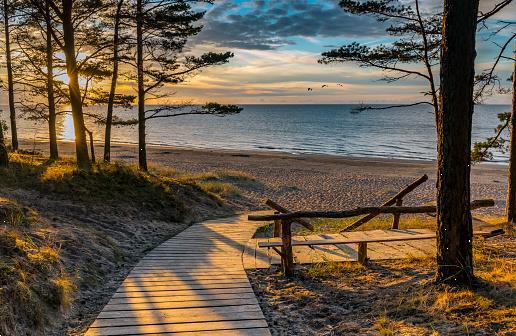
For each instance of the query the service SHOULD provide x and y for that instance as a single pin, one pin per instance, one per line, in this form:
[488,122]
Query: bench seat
[383,239]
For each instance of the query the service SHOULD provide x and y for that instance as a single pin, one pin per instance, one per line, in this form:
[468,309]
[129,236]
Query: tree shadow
[384,295]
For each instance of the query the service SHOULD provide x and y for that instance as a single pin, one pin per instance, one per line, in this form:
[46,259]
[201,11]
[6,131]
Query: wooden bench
[362,242]
[284,218]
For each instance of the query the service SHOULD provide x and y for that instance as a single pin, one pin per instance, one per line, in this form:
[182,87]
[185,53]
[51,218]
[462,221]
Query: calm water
[324,129]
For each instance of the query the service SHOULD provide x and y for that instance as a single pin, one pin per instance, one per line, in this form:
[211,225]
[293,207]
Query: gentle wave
[405,133]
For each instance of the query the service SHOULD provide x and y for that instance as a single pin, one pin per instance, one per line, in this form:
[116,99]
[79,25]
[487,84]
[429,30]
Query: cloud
[268,25]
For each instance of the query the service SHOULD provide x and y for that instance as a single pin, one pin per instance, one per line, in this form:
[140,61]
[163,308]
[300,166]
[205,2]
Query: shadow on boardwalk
[194,283]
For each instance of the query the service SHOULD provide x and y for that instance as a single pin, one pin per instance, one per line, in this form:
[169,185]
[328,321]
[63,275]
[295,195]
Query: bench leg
[277,227]
[362,253]
[287,258]
[396,220]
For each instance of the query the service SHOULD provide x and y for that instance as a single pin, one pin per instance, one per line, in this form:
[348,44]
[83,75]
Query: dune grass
[32,277]
[223,183]
[89,222]
[163,191]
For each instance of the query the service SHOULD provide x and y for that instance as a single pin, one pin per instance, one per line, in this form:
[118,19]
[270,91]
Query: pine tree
[116,19]
[418,43]
[78,33]
[9,8]
[161,34]
[454,225]
[41,93]
[4,155]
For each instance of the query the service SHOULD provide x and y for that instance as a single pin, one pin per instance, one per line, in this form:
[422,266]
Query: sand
[299,182]
[317,182]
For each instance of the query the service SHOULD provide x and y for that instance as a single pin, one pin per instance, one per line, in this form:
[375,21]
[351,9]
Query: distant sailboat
[358,109]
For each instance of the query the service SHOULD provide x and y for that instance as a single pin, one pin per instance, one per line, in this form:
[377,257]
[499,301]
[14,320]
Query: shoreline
[66,148]
[41,146]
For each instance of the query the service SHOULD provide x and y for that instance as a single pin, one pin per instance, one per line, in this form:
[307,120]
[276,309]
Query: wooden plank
[177,327]
[396,249]
[163,316]
[353,241]
[180,304]
[189,277]
[186,292]
[184,267]
[178,298]
[306,254]
[193,284]
[191,273]
[176,287]
[330,252]
[233,332]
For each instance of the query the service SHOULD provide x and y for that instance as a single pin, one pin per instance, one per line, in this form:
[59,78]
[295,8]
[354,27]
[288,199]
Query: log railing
[296,215]
[395,200]
[277,224]
[286,219]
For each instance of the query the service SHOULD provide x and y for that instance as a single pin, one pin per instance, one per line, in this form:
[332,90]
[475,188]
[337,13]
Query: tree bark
[10,83]
[454,234]
[81,147]
[142,150]
[511,190]
[52,133]
[114,78]
[4,155]
[92,145]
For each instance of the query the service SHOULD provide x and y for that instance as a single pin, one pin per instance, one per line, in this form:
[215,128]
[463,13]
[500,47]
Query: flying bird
[340,84]
[310,89]
[324,85]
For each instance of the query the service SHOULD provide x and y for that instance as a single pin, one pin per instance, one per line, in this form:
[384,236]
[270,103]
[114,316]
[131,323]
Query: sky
[277,44]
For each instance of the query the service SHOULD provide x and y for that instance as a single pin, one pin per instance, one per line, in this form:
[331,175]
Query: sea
[401,133]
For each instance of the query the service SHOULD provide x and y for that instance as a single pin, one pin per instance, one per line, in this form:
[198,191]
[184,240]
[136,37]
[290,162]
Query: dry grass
[395,297]
[222,183]
[89,228]
[32,277]
[162,191]
[382,222]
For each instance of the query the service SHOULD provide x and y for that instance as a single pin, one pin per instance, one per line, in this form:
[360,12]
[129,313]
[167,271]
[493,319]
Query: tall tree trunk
[4,156]
[114,78]
[81,147]
[10,84]
[142,150]
[92,145]
[454,239]
[54,153]
[511,190]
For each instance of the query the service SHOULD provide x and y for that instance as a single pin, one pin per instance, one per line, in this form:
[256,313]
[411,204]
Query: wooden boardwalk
[255,257]
[193,284]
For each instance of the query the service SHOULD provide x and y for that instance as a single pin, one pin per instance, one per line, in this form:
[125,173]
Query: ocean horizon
[331,129]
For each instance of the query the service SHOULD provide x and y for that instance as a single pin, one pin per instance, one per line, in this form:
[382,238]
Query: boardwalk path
[193,284]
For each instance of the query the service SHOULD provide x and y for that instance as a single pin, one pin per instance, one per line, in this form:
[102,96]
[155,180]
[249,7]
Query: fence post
[396,221]
[287,258]
[362,253]
[277,227]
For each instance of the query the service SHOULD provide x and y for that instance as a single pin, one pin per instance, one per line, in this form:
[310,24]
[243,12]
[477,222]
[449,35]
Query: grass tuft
[31,273]
[62,292]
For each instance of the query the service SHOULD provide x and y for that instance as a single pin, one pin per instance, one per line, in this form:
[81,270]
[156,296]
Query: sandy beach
[314,182]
